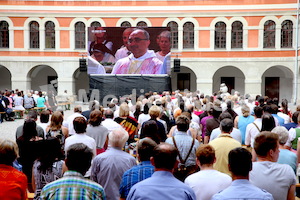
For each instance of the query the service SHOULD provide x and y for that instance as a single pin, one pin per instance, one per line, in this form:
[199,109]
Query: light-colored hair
[166,34]
[56,121]
[118,137]
[282,133]
[154,111]
[124,110]
[78,109]
[245,110]
[8,151]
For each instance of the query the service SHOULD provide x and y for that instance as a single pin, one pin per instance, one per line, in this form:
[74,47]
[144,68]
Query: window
[142,24]
[174,34]
[95,24]
[220,35]
[188,35]
[287,34]
[50,35]
[34,28]
[237,35]
[4,35]
[269,34]
[80,35]
[126,24]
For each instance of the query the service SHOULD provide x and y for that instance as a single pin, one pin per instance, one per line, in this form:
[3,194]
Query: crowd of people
[179,145]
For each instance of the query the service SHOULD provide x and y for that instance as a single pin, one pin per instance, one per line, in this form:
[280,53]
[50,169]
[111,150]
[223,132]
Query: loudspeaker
[82,65]
[176,65]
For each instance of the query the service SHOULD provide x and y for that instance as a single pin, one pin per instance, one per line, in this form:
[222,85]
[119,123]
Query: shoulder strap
[256,127]
[180,158]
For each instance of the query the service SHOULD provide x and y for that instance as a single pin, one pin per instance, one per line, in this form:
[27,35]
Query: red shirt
[13,183]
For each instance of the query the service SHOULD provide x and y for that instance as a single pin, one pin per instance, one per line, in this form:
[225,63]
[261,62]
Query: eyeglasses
[136,40]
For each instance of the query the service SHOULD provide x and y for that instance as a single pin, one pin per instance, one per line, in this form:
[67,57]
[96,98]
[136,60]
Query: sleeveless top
[58,134]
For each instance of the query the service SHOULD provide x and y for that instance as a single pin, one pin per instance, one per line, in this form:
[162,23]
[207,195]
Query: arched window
[34,35]
[80,35]
[174,34]
[142,24]
[50,35]
[237,35]
[220,35]
[188,35]
[269,34]
[287,34]
[4,34]
[95,24]
[126,24]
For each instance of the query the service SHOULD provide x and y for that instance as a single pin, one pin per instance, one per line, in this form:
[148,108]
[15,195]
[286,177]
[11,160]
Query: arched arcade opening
[5,78]
[185,79]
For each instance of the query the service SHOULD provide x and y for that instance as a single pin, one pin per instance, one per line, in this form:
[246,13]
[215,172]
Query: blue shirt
[242,189]
[288,157]
[134,175]
[290,125]
[161,185]
[73,186]
[280,119]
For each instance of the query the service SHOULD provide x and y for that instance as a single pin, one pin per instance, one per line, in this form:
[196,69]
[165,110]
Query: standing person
[73,185]
[162,184]
[44,119]
[109,167]
[240,165]
[223,145]
[124,50]
[13,183]
[243,120]
[55,129]
[143,170]
[109,122]
[52,101]
[278,179]
[127,122]
[29,147]
[207,181]
[70,119]
[254,128]
[48,167]
[97,131]
[142,60]
[186,146]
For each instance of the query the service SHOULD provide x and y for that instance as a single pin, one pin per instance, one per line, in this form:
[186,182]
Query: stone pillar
[253,87]
[205,86]
[21,83]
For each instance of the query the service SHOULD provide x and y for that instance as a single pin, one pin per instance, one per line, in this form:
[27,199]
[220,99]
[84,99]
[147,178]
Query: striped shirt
[134,175]
[73,186]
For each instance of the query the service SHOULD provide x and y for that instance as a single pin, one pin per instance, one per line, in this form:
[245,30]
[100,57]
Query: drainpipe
[296,58]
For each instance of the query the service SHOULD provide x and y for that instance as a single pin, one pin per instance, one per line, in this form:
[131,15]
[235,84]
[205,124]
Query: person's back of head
[124,110]
[32,114]
[264,142]
[268,122]
[274,108]
[182,123]
[283,134]
[95,118]
[164,157]
[245,110]
[29,129]
[79,157]
[94,105]
[240,162]
[226,125]
[267,109]
[154,112]
[79,124]
[78,109]
[117,138]
[109,114]
[295,117]
[8,152]
[145,149]
[206,155]
[258,111]
[150,129]
[44,116]
[225,115]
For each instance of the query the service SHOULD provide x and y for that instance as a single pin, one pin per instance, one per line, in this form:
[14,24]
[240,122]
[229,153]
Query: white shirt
[121,53]
[70,120]
[110,124]
[252,131]
[94,67]
[206,183]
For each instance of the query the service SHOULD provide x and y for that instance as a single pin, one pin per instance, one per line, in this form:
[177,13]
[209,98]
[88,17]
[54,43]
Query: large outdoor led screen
[118,50]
